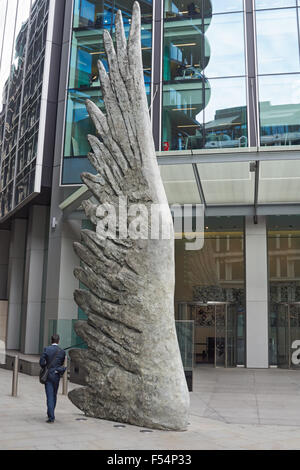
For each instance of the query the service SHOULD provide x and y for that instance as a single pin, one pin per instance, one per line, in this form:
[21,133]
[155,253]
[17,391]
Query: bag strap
[49,365]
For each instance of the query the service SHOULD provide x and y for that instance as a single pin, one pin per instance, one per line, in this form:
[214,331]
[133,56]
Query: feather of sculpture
[134,372]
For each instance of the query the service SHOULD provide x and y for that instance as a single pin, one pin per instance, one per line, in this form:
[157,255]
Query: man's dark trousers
[51,387]
[55,357]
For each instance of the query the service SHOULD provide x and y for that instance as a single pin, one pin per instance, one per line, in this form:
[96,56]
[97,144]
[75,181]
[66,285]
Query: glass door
[218,332]
[232,329]
[220,335]
[284,334]
[294,331]
[204,341]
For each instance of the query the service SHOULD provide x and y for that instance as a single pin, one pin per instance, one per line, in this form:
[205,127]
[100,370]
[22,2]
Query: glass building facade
[222,80]
[90,19]
[22,48]
[217,76]
[210,292]
[284,285]
[204,83]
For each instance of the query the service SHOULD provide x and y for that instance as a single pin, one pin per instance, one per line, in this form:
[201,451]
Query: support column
[61,308]
[34,279]
[15,282]
[256,293]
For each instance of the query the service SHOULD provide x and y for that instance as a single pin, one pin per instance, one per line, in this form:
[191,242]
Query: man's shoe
[50,421]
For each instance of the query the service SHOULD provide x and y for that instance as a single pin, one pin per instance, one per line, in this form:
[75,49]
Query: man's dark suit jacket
[56,370]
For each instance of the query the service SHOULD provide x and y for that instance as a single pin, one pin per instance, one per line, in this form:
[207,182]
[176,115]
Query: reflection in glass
[88,48]
[226,114]
[182,114]
[3,7]
[78,122]
[279,106]
[91,17]
[223,124]
[186,49]
[225,37]
[186,91]
[188,9]
[21,89]
[199,112]
[260,4]
[284,285]
[185,336]
[221,6]
[277,41]
[100,14]
[7,50]
[214,274]
[184,9]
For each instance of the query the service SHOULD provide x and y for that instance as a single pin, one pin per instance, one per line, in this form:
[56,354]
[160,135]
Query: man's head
[55,339]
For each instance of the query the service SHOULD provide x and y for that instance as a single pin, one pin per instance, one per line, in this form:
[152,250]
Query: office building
[222,80]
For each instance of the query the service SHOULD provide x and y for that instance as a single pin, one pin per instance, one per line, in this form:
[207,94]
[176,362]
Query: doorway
[215,332]
[284,332]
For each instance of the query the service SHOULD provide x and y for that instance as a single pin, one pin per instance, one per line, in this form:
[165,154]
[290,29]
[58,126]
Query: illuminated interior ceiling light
[98,52]
[191,125]
[145,48]
[185,44]
[183,109]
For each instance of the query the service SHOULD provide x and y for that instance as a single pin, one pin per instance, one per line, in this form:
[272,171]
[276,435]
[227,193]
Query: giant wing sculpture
[133,368]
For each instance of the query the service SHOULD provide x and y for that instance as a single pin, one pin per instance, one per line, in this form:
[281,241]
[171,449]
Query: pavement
[231,409]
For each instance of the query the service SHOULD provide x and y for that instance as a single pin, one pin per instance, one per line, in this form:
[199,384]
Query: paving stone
[241,420]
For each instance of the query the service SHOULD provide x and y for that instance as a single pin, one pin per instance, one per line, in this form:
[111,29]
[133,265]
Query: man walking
[53,357]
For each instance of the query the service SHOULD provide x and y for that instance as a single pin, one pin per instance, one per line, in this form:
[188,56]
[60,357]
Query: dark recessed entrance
[216,332]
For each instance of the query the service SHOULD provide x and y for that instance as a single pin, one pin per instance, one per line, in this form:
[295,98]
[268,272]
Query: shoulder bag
[45,370]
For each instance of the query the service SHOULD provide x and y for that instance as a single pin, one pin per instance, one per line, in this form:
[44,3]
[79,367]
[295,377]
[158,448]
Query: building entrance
[215,332]
[284,332]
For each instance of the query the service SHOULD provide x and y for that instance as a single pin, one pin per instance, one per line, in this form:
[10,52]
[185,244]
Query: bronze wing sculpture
[134,372]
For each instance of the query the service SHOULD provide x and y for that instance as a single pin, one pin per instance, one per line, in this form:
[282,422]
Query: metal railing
[15,376]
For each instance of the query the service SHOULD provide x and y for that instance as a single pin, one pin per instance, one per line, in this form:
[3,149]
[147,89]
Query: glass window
[223,124]
[78,123]
[284,313]
[7,50]
[261,4]
[3,7]
[19,150]
[73,167]
[225,116]
[277,41]
[279,107]
[88,48]
[183,103]
[187,9]
[221,6]
[214,275]
[199,112]
[91,17]
[99,14]
[225,40]
[186,50]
